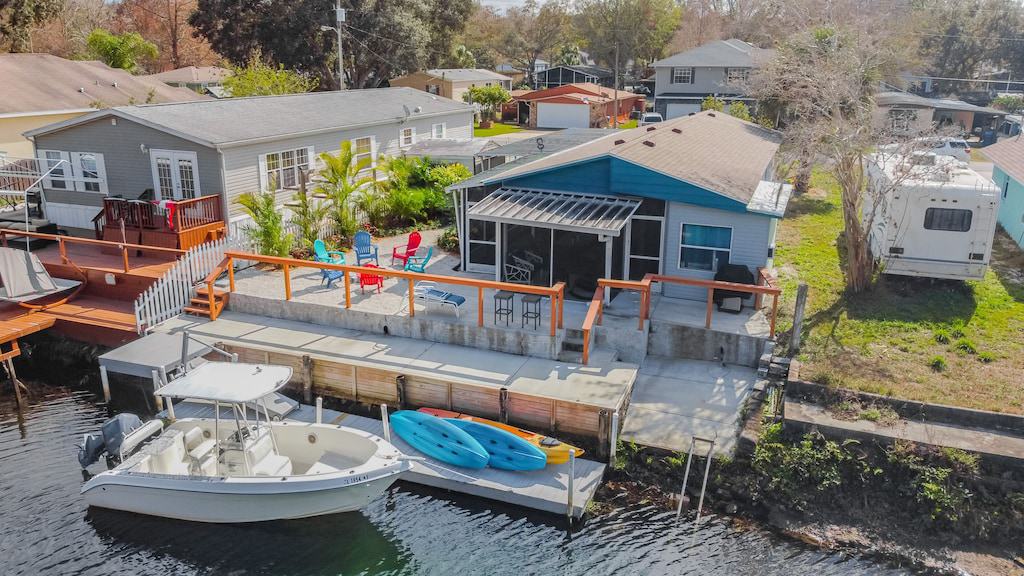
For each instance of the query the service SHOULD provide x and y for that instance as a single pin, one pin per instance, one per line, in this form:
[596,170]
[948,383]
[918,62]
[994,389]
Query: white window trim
[401,137]
[264,182]
[74,176]
[444,130]
[373,149]
[175,174]
[732,77]
[689,80]
[714,266]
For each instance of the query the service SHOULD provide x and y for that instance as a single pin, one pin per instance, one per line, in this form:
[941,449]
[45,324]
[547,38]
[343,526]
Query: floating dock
[546,490]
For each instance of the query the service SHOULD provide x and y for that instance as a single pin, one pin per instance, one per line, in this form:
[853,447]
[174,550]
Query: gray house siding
[241,163]
[752,235]
[705,81]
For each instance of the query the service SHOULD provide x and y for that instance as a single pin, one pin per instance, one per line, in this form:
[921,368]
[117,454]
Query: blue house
[1008,175]
[682,198]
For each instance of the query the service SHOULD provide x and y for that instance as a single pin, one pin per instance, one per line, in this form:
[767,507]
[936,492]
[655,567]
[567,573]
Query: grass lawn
[886,340]
[628,124]
[977,156]
[496,129]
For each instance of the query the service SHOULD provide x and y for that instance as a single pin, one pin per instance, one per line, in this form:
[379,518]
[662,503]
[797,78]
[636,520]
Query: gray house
[683,198]
[224,148]
[719,68]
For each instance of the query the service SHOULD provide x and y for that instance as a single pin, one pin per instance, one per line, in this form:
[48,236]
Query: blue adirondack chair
[366,250]
[322,254]
[419,263]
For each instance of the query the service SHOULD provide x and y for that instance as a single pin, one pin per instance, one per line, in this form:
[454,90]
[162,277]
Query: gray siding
[241,163]
[751,238]
[705,81]
[127,166]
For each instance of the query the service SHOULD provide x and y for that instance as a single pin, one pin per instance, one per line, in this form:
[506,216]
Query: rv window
[948,219]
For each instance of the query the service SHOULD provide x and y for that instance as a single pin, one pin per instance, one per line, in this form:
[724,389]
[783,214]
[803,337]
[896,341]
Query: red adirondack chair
[405,251]
[370,279]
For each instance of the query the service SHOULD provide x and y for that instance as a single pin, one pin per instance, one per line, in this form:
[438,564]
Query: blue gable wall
[1011,209]
[615,176]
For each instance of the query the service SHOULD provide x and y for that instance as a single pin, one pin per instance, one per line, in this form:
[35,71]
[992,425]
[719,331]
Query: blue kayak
[439,439]
[507,451]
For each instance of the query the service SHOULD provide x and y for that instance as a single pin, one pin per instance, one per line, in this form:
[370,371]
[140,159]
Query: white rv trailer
[937,218]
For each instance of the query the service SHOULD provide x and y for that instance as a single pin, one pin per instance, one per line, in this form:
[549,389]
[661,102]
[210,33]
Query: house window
[947,219]
[407,135]
[362,149]
[737,75]
[81,171]
[682,75]
[438,130]
[433,89]
[281,169]
[704,247]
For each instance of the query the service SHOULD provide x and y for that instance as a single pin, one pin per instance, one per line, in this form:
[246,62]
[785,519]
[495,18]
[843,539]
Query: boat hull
[222,501]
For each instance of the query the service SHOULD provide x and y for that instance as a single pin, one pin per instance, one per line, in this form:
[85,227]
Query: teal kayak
[439,439]
[507,451]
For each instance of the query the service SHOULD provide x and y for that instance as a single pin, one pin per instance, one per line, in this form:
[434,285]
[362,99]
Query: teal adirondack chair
[419,263]
[322,254]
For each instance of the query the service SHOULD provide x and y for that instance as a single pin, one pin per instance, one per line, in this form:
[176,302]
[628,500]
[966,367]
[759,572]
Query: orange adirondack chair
[407,250]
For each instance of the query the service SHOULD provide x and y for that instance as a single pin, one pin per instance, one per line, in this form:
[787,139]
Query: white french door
[175,174]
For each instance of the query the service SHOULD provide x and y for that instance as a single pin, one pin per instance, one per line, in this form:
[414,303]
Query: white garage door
[563,115]
[677,109]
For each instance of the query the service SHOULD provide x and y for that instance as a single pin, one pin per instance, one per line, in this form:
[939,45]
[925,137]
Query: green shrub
[962,461]
[942,336]
[449,240]
[931,486]
[267,228]
[308,215]
[938,363]
[828,378]
[986,357]
[966,345]
[957,329]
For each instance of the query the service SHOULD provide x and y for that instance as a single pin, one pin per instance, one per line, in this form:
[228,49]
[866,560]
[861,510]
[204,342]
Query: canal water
[46,529]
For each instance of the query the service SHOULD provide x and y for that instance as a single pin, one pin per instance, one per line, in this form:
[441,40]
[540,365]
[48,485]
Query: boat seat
[273,465]
[167,454]
[202,450]
[331,462]
[193,438]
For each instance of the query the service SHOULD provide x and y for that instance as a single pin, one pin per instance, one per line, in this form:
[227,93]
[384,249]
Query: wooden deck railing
[759,291]
[556,293]
[197,212]
[595,312]
[145,215]
[62,242]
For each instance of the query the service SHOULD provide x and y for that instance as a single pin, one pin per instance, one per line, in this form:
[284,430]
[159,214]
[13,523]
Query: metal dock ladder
[686,476]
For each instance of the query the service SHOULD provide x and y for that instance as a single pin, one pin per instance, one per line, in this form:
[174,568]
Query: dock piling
[156,386]
[386,421]
[572,488]
[105,383]
[613,437]
[319,409]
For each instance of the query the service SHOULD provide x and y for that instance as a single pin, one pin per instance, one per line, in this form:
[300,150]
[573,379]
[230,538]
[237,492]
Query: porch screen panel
[704,247]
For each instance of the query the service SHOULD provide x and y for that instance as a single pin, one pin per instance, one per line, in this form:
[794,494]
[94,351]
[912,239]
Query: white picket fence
[169,295]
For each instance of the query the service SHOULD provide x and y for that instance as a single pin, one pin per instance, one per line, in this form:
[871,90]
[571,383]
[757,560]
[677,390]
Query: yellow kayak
[556,450]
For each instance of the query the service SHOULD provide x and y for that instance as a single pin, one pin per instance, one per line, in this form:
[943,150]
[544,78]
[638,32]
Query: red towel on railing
[171,206]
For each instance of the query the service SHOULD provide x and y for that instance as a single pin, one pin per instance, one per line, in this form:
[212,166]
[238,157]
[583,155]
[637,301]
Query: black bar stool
[503,306]
[531,310]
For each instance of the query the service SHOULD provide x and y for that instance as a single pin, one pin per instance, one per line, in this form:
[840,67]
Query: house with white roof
[452,82]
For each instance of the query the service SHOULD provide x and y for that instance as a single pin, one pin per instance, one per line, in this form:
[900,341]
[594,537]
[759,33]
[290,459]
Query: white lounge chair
[25,279]
[428,293]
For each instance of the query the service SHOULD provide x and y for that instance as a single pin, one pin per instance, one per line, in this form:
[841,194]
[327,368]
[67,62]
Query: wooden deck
[95,258]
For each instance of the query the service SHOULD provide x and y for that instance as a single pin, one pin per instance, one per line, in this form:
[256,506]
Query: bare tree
[536,30]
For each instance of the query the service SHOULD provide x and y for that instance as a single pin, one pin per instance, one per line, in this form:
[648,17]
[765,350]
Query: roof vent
[712,114]
[81,90]
[620,141]
[648,143]
[651,128]
[677,130]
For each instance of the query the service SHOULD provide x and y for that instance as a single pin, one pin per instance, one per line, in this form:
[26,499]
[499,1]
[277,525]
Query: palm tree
[343,175]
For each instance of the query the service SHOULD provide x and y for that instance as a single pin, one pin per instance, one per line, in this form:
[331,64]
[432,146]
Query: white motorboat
[244,469]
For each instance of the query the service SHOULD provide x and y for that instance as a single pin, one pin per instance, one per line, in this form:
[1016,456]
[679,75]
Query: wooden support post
[348,291]
[63,249]
[571,485]
[156,388]
[554,315]
[602,433]
[503,405]
[480,306]
[711,302]
[644,295]
[231,274]
[412,298]
[775,310]
[561,305]
[3,238]
[798,318]
[124,256]
[400,389]
[9,364]
[307,378]
[287,282]
[105,383]
[586,346]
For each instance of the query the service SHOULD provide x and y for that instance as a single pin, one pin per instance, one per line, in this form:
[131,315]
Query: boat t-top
[239,466]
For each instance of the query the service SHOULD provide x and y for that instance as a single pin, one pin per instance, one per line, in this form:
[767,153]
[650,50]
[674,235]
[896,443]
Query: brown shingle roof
[712,150]
[43,82]
[1008,155]
[192,75]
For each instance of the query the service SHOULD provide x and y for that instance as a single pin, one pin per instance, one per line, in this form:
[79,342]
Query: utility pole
[615,122]
[339,19]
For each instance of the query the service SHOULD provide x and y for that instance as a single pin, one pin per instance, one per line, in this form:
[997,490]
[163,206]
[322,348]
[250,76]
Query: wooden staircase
[201,303]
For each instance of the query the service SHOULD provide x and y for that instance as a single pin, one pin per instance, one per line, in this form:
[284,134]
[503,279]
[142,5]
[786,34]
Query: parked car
[650,118]
[955,147]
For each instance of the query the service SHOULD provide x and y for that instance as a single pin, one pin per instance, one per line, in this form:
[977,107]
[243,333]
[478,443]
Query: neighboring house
[910,113]
[41,89]
[232,146]
[719,68]
[1008,175]
[520,73]
[680,198]
[575,106]
[465,151]
[196,78]
[562,75]
[452,82]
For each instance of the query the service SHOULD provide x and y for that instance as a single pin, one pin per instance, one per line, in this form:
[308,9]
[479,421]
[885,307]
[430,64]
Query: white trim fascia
[6,115]
[71,122]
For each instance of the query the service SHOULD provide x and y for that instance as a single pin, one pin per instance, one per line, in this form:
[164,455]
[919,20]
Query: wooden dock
[546,490]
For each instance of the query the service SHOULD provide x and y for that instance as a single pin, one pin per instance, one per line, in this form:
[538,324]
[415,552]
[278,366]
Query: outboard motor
[120,435]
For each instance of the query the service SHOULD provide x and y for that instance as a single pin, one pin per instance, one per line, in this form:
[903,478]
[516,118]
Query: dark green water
[47,529]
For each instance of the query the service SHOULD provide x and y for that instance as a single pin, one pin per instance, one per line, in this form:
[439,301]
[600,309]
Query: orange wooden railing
[712,285]
[62,242]
[595,312]
[197,212]
[556,293]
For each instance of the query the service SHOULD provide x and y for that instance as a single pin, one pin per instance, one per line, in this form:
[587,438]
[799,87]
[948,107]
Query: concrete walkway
[674,399]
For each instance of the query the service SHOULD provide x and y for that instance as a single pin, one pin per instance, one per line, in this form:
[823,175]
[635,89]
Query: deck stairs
[572,349]
[200,304]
